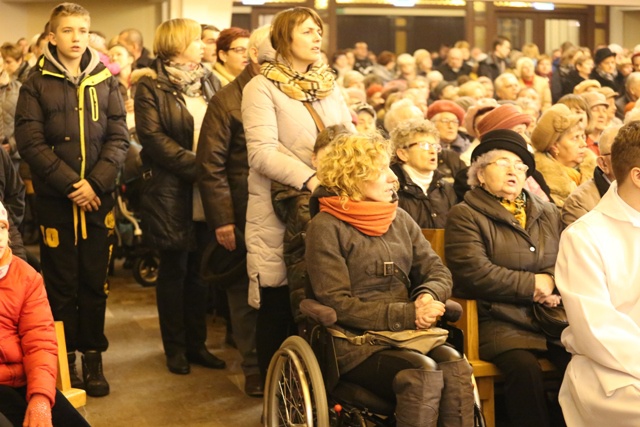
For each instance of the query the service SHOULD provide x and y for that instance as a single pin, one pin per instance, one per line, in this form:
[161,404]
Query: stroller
[142,259]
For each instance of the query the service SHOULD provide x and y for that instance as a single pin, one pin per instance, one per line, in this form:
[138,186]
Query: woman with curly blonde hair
[358,234]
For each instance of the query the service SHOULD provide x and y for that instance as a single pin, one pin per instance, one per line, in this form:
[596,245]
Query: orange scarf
[370,218]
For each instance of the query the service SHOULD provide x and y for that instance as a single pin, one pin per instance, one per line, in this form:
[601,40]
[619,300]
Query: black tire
[145,269]
[294,390]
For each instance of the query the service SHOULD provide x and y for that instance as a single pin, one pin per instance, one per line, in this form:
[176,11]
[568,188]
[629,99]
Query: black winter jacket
[221,159]
[494,260]
[165,129]
[67,130]
[428,210]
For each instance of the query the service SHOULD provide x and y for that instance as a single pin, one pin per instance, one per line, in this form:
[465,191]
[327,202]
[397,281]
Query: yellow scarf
[517,208]
[315,84]
[574,174]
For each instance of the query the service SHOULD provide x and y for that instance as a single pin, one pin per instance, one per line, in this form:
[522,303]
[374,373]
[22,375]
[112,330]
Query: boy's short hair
[10,50]
[625,151]
[328,135]
[174,36]
[66,9]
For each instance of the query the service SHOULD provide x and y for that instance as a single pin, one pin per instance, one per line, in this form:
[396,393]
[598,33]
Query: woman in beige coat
[562,156]
[280,134]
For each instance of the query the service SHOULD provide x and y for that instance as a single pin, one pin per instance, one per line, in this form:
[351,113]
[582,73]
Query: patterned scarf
[370,218]
[516,207]
[187,77]
[315,84]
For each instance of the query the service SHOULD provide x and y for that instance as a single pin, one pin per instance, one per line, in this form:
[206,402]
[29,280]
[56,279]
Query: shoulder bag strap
[314,114]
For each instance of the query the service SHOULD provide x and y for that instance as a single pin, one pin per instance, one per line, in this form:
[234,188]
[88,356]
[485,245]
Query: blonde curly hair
[351,161]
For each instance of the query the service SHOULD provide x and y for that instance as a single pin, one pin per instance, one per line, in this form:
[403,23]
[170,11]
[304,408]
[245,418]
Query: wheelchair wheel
[145,269]
[294,389]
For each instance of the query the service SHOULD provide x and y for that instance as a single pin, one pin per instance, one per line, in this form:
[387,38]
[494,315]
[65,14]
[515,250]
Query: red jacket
[28,346]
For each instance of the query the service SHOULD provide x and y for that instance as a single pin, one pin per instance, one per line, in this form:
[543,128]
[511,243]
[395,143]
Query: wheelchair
[303,386]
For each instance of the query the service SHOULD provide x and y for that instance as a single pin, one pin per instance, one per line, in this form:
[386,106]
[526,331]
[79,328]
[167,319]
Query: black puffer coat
[494,260]
[428,210]
[165,129]
[59,151]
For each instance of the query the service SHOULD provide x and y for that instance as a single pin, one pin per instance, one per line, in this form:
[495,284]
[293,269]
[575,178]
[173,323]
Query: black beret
[508,140]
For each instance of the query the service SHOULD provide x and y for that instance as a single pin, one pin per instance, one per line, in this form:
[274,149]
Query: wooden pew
[76,396]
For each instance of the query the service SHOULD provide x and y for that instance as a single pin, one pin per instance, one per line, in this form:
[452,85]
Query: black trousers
[13,405]
[275,324]
[75,269]
[376,373]
[182,297]
[524,392]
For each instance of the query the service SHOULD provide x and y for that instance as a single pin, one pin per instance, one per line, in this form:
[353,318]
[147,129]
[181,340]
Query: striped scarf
[315,84]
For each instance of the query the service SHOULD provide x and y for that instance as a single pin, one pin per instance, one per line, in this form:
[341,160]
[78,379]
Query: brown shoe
[253,385]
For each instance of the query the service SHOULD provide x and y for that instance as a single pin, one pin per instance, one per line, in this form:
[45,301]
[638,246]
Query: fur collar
[136,75]
[557,179]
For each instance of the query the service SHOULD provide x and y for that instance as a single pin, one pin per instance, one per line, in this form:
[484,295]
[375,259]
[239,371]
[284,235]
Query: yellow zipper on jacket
[91,82]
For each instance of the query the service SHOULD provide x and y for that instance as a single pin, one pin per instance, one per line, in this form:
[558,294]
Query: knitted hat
[3,215]
[505,116]
[594,99]
[483,105]
[553,123]
[465,102]
[602,54]
[505,139]
[608,92]
[585,86]
[444,106]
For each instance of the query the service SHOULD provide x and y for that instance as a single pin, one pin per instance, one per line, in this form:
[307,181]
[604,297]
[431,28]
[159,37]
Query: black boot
[76,382]
[95,383]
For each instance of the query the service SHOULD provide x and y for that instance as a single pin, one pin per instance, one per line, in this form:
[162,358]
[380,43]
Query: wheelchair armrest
[324,315]
[453,311]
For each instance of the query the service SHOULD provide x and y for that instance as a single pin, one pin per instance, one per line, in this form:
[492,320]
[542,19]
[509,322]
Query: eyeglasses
[426,146]
[505,164]
[239,49]
[447,121]
[602,155]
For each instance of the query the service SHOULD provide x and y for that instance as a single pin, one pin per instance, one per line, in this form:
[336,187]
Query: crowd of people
[258,153]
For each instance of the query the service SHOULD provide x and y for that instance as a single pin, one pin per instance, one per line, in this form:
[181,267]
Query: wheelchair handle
[453,311]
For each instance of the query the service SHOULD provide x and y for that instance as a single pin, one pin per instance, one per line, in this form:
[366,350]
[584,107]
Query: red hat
[444,106]
[373,89]
[505,116]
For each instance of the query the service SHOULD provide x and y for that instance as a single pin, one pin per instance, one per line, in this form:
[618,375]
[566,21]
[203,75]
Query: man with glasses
[422,191]
[447,116]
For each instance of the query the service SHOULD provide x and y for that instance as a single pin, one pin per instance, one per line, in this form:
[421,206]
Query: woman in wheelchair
[369,261]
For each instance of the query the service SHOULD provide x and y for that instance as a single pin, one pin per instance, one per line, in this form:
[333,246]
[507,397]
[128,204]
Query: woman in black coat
[170,104]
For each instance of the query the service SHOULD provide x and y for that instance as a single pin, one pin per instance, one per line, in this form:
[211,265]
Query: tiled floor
[143,392]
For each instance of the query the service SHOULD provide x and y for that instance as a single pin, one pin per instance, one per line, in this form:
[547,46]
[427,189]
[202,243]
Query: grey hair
[406,130]
[477,165]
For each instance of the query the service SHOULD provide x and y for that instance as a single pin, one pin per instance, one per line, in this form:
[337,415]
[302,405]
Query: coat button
[79,158]
[434,214]
[532,249]
[396,326]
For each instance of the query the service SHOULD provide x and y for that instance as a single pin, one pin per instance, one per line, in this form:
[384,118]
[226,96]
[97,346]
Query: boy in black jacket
[71,130]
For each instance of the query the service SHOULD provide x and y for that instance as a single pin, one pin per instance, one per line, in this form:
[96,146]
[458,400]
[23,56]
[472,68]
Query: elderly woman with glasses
[501,247]
[422,191]
[231,48]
